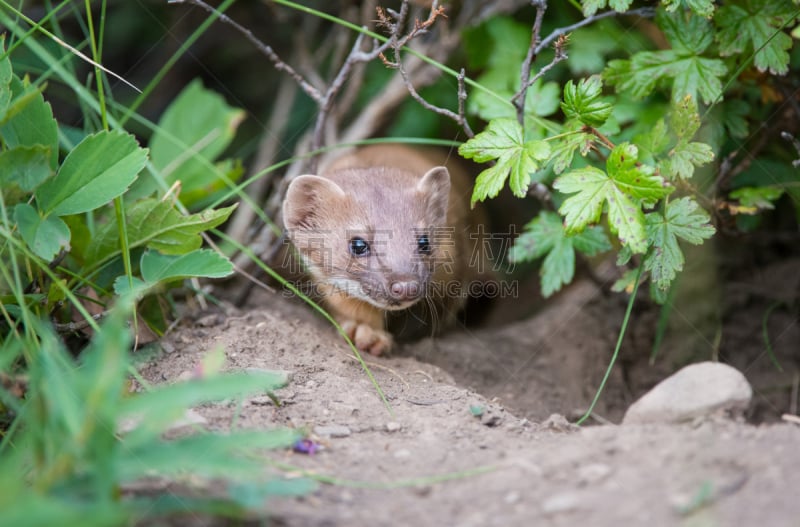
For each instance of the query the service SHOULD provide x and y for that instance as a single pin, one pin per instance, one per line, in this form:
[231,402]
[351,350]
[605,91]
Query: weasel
[385,229]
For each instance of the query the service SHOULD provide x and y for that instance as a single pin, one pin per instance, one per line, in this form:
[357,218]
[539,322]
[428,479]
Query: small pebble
[559,503]
[512,497]
[392,426]
[402,454]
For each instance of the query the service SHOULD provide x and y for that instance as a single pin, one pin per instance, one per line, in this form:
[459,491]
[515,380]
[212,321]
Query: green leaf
[590,7]
[546,235]
[684,119]
[45,236]
[136,286]
[582,102]
[624,188]
[683,65]
[97,170]
[25,166]
[757,198]
[158,225]
[540,236]
[29,121]
[756,25]
[633,178]
[192,133]
[564,147]
[204,263]
[591,241]
[654,141]
[703,8]
[681,220]
[502,142]
[685,155]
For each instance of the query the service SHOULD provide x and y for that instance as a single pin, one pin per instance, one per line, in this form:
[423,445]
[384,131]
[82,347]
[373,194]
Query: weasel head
[373,234]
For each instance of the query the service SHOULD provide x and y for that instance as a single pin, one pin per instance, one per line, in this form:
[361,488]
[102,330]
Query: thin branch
[279,64]
[71,327]
[530,56]
[397,45]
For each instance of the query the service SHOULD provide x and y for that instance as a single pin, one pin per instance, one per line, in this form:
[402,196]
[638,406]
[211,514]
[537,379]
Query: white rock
[698,390]
[560,503]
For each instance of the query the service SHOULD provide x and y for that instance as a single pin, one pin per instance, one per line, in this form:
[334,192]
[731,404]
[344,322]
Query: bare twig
[397,44]
[71,327]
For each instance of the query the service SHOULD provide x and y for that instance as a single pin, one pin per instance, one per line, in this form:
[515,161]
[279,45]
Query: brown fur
[388,196]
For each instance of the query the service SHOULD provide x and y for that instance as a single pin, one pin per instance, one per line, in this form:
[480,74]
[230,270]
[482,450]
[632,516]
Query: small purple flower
[306,446]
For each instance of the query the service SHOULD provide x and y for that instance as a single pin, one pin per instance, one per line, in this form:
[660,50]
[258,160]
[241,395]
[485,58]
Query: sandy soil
[431,462]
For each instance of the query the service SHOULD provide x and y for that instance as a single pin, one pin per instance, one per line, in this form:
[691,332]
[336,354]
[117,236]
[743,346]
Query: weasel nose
[404,290]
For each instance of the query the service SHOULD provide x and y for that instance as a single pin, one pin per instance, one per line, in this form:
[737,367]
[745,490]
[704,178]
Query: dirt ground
[431,462]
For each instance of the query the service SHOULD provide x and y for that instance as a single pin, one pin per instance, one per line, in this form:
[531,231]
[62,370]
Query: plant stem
[619,345]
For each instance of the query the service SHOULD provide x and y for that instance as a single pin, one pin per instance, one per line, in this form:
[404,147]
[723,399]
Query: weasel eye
[423,244]
[359,247]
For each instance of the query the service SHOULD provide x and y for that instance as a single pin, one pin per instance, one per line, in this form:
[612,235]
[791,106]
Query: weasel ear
[307,199]
[435,189]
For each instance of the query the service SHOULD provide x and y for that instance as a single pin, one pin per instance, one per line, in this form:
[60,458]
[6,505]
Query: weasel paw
[366,338]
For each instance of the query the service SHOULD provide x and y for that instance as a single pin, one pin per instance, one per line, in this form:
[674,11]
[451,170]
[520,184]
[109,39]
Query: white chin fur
[354,289]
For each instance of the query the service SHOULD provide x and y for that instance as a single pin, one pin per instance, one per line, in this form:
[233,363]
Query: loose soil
[430,461]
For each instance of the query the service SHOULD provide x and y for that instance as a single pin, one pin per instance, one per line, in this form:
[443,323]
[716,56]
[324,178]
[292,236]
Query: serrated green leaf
[684,119]
[734,115]
[756,25]
[545,235]
[684,157]
[703,8]
[203,263]
[29,121]
[591,241]
[97,170]
[590,187]
[681,220]
[624,188]
[25,166]
[688,34]
[634,179]
[757,198]
[582,102]
[558,268]
[135,286]
[539,237]
[690,73]
[654,141]
[158,225]
[564,147]
[45,236]
[502,142]
[590,7]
